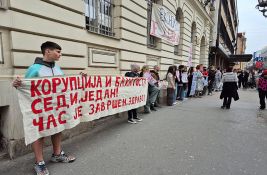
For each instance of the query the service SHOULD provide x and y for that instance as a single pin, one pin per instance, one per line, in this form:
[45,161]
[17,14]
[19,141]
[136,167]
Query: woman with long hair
[190,79]
[170,77]
[198,76]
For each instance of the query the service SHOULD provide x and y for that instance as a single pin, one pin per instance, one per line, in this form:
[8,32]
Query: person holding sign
[46,67]
[153,90]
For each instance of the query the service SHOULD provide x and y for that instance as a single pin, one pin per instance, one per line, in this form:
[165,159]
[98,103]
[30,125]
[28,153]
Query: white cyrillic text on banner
[51,105]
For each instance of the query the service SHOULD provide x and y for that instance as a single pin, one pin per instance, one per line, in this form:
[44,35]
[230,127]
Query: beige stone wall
[27,24]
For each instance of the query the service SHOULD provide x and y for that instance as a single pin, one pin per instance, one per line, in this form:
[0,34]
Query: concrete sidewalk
[195,137]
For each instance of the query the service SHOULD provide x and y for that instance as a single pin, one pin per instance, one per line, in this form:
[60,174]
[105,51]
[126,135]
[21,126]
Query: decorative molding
[151,61]
[99,57]
[4,4]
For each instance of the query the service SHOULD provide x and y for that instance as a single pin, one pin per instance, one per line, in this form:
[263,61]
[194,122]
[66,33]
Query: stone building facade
[99,37]
[224,31]
[241,48]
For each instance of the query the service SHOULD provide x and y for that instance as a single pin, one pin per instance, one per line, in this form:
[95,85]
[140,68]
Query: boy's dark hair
[49,45]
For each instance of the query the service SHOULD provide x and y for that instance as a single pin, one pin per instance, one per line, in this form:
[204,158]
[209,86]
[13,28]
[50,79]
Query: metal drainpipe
[218,32]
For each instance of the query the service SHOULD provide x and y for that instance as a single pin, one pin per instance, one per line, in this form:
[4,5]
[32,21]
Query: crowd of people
[194,82]
[246,79]
[181,84]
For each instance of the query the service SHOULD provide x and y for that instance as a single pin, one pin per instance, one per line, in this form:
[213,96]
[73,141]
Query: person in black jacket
[240,77]
[155,74]
[132,114]
[246,75]
[229,90]
[211,79]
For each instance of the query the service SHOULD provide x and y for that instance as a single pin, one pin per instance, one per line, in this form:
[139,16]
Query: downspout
[218,31]
[237,21]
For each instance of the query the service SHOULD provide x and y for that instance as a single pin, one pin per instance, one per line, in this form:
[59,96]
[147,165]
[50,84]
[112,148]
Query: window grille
[151,40]
[98,16]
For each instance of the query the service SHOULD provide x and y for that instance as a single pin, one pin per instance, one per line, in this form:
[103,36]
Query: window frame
[101,19]
[152,41]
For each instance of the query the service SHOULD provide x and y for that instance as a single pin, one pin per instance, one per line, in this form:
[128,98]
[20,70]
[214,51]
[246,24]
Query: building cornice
[201,10]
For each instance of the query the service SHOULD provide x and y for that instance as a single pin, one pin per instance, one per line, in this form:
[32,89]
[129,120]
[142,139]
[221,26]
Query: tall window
[98,16]
[151,40]
[1,50]
[180,20]
[194,39]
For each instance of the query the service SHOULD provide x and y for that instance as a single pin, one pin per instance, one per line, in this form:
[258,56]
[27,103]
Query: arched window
[193,39]
[152,41]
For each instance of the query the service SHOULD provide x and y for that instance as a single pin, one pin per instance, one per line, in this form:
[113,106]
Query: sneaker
[153,108]
[137,119]
[132,121]
[157,105]
[174,103]
[40,168]
[222,107]
[62,157]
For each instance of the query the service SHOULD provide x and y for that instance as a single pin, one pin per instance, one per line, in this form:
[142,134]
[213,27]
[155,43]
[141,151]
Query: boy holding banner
[45,67]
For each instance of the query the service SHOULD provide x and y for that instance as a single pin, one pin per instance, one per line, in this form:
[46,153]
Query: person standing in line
[218,78]
[229,90]
[153,90]
[185,82]
[176,69]
[155,74]
[180,87]
[262,88]
[46,67]
[199,81]
[211,79]
[132,114]
[190,80]
[246,75]
[170,77]
[240,77]
[205,80]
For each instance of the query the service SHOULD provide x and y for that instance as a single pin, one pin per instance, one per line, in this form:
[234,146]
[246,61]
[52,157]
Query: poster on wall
[164,24]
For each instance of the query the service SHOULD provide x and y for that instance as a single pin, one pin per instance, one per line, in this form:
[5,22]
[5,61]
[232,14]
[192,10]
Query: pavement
[195,137]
